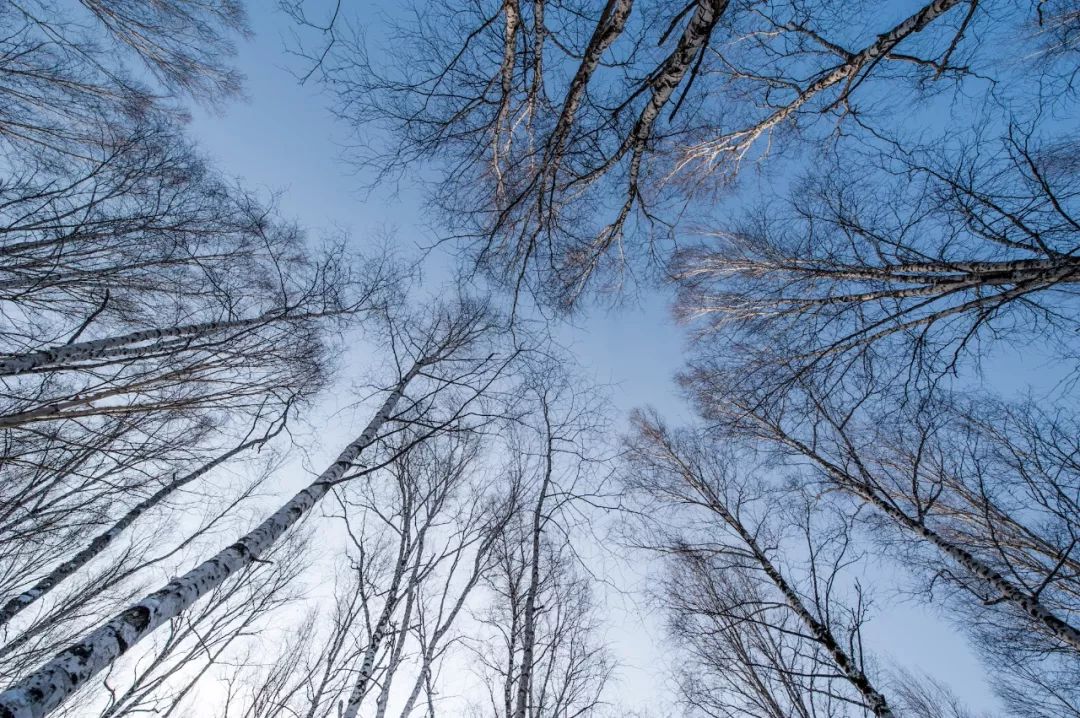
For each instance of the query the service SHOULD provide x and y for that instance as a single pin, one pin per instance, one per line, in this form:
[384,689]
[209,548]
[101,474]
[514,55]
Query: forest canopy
[257,463]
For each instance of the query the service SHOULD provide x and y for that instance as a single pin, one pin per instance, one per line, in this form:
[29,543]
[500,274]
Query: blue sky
[283,139]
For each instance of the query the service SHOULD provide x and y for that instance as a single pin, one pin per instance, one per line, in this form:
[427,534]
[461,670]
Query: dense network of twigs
[869,214]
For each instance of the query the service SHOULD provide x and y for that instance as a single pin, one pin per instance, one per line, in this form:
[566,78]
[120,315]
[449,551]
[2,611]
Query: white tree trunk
[133,344]
[1025,601]
[39,693]
[528,629]
[378,633]
[102,541]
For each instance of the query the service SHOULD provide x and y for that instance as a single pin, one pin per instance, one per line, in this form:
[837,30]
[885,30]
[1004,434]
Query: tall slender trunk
[820,631]
[134,344]
[511,652]
[528,623]
[103,540]
[397,646]
[428,654]
[1026,601]
[42,691]
[378,632]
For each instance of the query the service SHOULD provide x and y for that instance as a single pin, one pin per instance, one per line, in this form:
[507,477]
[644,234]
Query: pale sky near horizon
[283,138]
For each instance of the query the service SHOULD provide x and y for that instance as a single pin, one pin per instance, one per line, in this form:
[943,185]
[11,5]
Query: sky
[283,139]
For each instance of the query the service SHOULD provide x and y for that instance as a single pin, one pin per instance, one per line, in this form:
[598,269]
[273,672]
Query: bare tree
[420,534]
[766,644]
[544,656]
[152,313]
[576,128]
[921,696]
[66,70]
[931,257]
[220,630]
[439,353]
[142,281]
[441,527]
[986,508]
[569,666]
[101,542]
[104,567]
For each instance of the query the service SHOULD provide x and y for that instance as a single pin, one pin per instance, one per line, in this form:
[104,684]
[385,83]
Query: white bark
[431,649]
[739,142]
[379,630]
[39,693]
[134,343]
[528,630]
[102,541]
[1027,602]
[819,629]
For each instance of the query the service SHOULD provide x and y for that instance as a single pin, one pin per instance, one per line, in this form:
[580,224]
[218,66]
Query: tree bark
[42,691]
[1025,601]
[121,346]
[103,540]
[378,633]
[528,628]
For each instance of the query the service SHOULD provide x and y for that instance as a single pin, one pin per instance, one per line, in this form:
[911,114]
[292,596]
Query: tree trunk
[42,691]
[103,540]
[127,346]
[528,627]
[820,631]
[378,633]
[1025,601]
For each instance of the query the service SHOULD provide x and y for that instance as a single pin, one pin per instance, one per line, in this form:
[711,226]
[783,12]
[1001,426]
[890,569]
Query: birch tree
[440,526]
[984,511]
[151,310]
[933,257]
[440,353]
[68,72]
[419,537]
[545,656]
[569,666]
[765,643]
[583,133]
[103,569]
[224,628]
[102,541]
[140,273]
